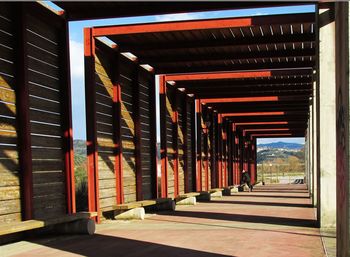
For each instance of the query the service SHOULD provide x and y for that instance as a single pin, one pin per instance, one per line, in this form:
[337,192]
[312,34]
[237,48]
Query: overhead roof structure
[234,65]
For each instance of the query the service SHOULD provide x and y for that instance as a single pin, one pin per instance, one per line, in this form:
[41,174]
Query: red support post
[91,130]
[175,120]
[23,123]
[199,146]
[220,156]
[206,158]
[153,130]
[163,137]
[67,119]
[185,145]
[117,101]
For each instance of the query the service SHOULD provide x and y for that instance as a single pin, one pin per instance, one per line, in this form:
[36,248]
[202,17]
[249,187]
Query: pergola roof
[234,65]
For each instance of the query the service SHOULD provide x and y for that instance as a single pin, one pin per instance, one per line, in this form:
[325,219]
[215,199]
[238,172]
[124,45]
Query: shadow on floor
[244,218]
[264,203]
[103,245]
[281,191]
[269,196]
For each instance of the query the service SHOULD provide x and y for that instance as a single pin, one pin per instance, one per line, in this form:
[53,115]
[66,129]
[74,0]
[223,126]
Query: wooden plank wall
[170,142]
[146,92]
[10,202]
[181,101]
[190,145]
[116,74]
[104,129]
[127,70]
[33,64]
[45,114]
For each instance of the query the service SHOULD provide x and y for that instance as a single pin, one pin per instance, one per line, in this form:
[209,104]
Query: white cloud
[178,17]
[76,59]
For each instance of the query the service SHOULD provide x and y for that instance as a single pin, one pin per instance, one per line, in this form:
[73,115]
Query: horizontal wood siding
[181,145]
[189,146]
[127,130]
[104,127]
[10,202]
[45,113]
[170,144]
[145,84]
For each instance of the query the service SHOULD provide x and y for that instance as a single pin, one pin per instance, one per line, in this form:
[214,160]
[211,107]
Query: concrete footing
[83,226]
[168,205]
[230,191]
[216,194]
[187,201]
[132,214]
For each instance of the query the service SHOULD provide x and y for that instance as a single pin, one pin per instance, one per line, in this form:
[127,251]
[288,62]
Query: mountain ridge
[283,145]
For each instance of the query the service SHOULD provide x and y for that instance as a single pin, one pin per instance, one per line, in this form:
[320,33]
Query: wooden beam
[186,57]
[223,23]
[214,67]
[139,47]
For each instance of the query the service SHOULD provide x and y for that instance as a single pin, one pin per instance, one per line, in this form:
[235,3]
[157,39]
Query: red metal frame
[203,24]
[175,119]
[67,120]
[163,133]
[218,75]
[219,174]
[199,147]
[93,183]
[117,100]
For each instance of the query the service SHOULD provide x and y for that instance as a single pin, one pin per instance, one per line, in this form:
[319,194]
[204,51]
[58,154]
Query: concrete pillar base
[166,206]
[216,194]
[84,226]
[204,196]
[230,191]
[132,214]
[187,201]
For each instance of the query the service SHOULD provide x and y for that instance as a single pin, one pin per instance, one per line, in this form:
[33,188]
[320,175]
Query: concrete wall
[342,101]
[327,123]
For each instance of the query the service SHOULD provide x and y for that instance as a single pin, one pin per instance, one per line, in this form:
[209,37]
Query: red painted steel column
[185,150]
[117,101]
[175,119]
[163,136]
[199,146]
[206,157]
[23,123]
[91,133]
[220,140]
[224,155]
[67,119]
[153,129]
[252,162]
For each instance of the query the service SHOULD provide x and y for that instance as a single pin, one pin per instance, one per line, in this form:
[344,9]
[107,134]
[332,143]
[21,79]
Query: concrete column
[343,130]
[314,149]
[327,118]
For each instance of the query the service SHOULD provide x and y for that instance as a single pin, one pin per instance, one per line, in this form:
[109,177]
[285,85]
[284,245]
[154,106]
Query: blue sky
[77,54]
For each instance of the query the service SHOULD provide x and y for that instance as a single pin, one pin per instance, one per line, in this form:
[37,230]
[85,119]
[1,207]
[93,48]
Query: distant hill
[282,145]
[79,147]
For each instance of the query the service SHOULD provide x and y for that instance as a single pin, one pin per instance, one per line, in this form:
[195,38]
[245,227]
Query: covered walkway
[271,221]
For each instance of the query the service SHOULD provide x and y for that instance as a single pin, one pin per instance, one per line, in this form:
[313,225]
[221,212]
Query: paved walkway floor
[271,221]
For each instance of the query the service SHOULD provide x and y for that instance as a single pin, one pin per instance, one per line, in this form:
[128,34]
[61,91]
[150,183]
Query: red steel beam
[67,118]
[204,24]
[91,129]
[163,134]
[280,113]
[266,123]
[275,98]
[218,75]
